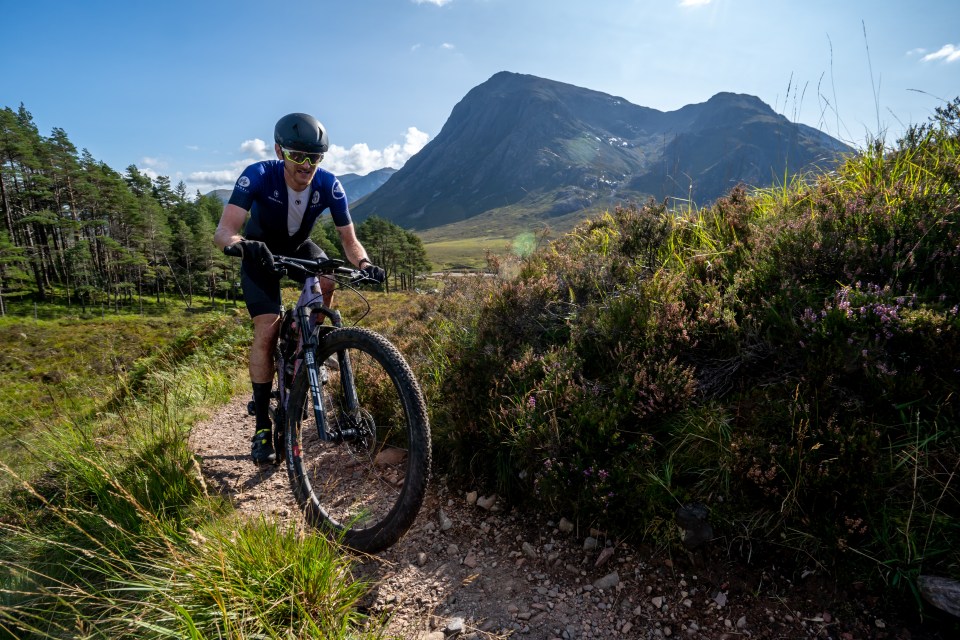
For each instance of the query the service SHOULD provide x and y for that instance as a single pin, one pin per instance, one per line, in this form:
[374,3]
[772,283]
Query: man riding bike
[284,199]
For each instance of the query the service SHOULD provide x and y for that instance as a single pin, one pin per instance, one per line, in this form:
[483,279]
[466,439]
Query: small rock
[454,625]
[657,601]
[453,550]
[445,522]
[470,560]
[487,502]
[529,551]
[742,622]
[720,599]
[604,556]
[608,581]
[565,525]
[472,498]
[589,544]
[390,457]
[421,559]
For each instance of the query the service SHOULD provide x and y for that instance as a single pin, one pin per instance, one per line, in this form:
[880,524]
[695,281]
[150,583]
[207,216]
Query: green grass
[106,531]
[68,368]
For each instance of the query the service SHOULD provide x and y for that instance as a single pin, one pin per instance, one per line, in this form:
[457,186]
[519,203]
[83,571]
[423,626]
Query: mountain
[223,194]
[358,186]
[522,145]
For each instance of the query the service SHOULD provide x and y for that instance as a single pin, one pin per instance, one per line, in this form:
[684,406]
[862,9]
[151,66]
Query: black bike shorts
[261,291]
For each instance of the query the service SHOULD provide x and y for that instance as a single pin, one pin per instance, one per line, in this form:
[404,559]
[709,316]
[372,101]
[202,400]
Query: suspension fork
[311,342]
[308,338]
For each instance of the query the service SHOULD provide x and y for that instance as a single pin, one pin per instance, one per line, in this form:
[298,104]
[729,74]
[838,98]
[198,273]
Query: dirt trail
[475,570]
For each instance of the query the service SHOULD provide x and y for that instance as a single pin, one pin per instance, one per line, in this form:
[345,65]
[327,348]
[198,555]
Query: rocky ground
[474,569]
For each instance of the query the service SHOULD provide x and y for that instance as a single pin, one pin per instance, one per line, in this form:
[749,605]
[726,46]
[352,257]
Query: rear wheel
[368,488]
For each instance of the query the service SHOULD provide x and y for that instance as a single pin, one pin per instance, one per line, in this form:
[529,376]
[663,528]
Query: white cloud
[447,45]
[258,148]
[361,159]
[694,3]
[153,163]
[215,178]
[947,53]
[439,3]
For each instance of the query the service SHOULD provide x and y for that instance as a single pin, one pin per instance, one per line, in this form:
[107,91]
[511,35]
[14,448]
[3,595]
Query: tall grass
[117,537]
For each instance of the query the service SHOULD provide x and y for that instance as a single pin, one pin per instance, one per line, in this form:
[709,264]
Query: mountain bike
[349,418]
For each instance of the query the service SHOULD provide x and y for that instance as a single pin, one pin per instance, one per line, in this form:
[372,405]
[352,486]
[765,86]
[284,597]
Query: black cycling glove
[373,272]
[254,252]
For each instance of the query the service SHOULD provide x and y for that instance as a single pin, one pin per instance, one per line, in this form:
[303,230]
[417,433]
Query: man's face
[296,175]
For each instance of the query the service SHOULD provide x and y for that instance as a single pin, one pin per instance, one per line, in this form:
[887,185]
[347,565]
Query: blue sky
[191,89]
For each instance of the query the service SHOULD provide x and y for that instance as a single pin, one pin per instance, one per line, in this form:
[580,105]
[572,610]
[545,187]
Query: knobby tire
[367,494]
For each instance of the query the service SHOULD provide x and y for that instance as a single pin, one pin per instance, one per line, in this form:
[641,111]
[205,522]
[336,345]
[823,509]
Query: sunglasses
[299,157]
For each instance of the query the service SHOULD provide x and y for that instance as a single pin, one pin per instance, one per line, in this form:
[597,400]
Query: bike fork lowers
[338,434]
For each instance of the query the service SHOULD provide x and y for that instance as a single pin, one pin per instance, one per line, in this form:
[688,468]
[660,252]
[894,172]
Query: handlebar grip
[233,250]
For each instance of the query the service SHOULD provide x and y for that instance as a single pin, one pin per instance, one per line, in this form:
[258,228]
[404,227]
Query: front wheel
[368,488]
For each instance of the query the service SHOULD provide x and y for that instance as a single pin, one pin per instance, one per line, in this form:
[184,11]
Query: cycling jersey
[262,191]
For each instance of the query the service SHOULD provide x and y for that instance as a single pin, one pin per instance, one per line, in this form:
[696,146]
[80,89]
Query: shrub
[788,357]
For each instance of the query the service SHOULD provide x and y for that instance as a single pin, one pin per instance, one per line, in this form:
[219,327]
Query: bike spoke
[358,480]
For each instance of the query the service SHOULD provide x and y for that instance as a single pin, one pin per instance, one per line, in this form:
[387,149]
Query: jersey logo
[243,182]
[276,194]
[315,198]
[338,190]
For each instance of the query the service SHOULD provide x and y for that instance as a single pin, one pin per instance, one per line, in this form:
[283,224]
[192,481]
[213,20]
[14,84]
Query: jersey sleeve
[339,208]
[247,185]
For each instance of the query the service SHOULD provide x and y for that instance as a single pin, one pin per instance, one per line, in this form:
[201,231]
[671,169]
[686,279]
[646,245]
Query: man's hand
[373,272]
[254,253]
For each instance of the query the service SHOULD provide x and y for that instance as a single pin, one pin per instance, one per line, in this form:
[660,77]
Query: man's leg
[265,330]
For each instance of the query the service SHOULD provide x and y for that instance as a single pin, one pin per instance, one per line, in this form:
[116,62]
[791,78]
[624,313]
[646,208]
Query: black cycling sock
[261,401]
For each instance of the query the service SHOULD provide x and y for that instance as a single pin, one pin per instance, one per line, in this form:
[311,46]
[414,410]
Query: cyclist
[284,198]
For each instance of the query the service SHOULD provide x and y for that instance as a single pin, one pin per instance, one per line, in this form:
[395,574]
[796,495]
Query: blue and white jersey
[262,191]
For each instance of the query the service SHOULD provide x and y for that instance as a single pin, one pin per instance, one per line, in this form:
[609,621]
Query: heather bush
[790,357]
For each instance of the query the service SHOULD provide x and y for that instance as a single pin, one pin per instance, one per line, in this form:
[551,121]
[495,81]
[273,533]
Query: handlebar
[315,267]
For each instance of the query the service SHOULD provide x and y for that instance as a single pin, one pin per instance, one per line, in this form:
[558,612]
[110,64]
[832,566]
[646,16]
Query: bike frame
[306,314]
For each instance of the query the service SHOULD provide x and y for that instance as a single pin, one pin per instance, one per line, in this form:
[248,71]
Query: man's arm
[228,230]
[351,246]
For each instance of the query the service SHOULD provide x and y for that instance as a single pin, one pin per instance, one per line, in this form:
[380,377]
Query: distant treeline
[76,230]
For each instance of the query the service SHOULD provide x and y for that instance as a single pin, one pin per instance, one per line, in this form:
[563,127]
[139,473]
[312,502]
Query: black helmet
[301,132]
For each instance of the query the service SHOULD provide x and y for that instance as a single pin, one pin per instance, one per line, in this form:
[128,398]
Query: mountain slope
[358,186]
[550,149]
